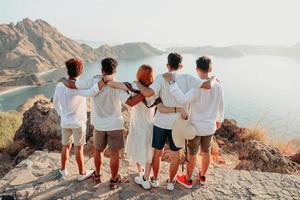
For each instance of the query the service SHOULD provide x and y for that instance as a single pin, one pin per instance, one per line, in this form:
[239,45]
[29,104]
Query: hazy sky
[177,22]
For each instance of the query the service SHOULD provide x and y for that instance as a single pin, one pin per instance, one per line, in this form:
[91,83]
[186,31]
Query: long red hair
[145,75]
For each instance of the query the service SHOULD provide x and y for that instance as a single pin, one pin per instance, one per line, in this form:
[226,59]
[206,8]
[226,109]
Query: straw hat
[182,130]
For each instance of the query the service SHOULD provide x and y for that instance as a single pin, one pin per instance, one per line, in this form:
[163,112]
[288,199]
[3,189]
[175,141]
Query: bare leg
[98,159]
[205,163]
[156,162]
[79,159]
[65,153]
[174,165]
[147,171]
[190,167]
[139,167]
[114,163]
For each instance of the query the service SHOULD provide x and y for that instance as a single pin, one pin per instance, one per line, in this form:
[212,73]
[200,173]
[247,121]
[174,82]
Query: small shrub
[9,124]
[258,133]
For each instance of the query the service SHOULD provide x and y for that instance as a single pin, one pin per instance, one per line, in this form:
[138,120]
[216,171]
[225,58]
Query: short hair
[74,67]
[203,63]
[109,65]
[174,59]
[145,75]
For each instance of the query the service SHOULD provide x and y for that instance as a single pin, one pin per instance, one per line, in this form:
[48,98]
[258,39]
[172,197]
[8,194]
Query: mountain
[35,46]
[208,50]
[240,50]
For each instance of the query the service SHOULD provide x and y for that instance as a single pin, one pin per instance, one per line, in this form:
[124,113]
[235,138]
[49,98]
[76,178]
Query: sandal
[202,179]
[114,183]
[97,178]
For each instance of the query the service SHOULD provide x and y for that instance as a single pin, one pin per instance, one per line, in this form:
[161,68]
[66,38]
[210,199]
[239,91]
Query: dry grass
[258,133]
[9,124]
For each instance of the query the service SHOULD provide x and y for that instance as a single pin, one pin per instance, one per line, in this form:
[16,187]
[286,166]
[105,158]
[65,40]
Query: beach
[5,90]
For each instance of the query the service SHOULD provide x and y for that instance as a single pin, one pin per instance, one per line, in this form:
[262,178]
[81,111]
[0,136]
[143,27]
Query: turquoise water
[258,89]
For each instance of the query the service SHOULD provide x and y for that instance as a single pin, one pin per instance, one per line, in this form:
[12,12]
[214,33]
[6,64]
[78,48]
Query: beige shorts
[74,135]
[113,139]
[200,141]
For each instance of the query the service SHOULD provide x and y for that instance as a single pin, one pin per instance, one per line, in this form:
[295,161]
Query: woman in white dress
[139,141]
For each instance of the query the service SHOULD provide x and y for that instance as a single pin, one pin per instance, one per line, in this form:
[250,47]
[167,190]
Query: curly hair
[74,67]
[109,66]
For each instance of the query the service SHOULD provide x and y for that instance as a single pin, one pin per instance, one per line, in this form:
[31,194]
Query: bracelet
[175,109]
[105,82]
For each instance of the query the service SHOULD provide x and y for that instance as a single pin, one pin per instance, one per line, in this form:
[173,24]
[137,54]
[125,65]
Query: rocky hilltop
[35,46]
[241,168]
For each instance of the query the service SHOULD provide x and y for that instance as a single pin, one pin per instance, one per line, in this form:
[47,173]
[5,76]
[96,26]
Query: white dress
[139,141]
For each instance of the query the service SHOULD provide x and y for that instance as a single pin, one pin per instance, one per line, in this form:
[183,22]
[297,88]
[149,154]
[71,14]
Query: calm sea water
[258,89]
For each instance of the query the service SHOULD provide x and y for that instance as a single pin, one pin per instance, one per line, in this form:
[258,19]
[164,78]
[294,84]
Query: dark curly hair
[174,59]
[109,66]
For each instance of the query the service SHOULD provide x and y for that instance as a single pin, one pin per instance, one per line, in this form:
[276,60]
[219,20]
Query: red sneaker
[182,180]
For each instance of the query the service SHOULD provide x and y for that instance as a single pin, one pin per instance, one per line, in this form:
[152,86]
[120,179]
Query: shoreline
[6,90]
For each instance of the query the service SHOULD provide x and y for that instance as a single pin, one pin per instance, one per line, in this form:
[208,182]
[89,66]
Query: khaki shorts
[200,141]
[74,135]
[113,139]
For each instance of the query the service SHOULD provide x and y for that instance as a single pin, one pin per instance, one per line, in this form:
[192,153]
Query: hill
[35,46]
[241,50]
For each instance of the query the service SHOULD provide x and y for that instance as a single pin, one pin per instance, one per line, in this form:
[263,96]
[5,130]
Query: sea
[259,90]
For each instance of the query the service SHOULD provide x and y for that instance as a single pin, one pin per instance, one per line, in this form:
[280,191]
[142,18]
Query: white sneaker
[154,182]
[63,173]
[171,185]
[88,174]
[144,183]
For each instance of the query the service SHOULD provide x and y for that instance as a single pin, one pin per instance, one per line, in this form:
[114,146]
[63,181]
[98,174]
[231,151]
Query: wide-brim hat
[182,130]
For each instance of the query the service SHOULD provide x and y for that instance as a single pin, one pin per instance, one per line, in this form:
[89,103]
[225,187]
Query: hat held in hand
[182,130]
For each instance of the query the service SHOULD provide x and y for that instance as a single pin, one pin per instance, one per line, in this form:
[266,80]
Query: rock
[257,156]
[230,131]
[223,183]
[40,128]
[23,154]
[30,102]
[296,158]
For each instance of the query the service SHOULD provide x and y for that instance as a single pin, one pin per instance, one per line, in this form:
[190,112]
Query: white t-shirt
[106,112]
[161,88]
[70,104]
[206,106]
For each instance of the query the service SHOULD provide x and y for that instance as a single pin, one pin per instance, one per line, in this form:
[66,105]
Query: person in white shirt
[163,123]
[106,117]
[71,107]
[206,115]
[139,140]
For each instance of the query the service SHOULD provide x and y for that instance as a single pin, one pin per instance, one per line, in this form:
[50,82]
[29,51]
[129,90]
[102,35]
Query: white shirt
[106,112]
[71,105]
[206,107]
[161,88]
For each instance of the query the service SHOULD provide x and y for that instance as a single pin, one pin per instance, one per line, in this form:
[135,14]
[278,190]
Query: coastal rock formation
[208,50]
[35,46]
[37,178]
[256,156]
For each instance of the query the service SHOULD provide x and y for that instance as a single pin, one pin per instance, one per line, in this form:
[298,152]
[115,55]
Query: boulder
[230,131]
[41,127]
[257,156]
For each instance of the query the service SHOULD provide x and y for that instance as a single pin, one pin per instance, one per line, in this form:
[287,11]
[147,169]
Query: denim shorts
[161,137]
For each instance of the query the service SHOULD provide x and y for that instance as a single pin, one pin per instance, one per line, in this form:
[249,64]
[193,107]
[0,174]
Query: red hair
[145,75]
[74,67]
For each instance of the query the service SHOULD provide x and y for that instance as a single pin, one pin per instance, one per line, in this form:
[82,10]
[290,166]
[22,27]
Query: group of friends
[156,104]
